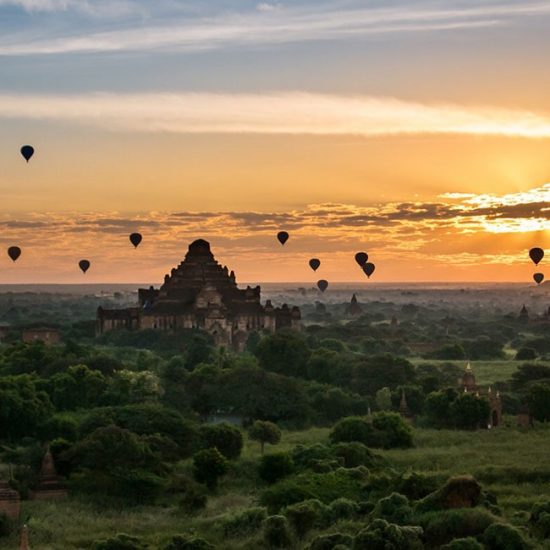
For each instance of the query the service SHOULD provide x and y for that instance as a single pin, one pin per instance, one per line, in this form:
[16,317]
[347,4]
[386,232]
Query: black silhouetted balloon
[538,278]
[84,265]
[368,268]
[135,239]
[27,151]
[314,263]
[322,285]
[282,236]
[361,258]
[536,254]
[14,252]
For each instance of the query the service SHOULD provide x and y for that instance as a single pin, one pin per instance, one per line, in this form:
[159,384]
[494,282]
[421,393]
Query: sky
[417,131]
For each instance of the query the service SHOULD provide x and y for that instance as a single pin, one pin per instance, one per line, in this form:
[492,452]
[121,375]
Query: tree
[226,438]
[78,387]
[208,466]
[23,408]
[275,466]
[525,354]
[538,400]
[383,399]
[276,532]
[469,411]
[265,432]
[379,371]
[437,408]
[284,352]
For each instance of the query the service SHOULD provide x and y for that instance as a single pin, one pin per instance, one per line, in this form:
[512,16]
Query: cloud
[273,113]
[163,26]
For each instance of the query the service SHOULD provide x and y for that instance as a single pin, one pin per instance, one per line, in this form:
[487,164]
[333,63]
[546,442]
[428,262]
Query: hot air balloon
[135,239]
[538,278]
[322,285]
[14,252]
[361,258]
[369,268]
[84,265]
[314,263]
[536,254]
[282,236]
[27,151]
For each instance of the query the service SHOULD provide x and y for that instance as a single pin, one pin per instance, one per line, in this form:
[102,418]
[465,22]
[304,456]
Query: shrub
[193,496]
[120,542]
[274,467]
[386,431]
[245,523]
[468,543]
[331,542]
[416,486]
[303,456]
[353,454]
[503,537]
[525,354]
[381,535]
[226,438]
[443,526]
[180,542]
[276,533]
[265,432]
[305,515]
[540,519]
[394,508]
[458,492]
[324,487]
[208,466]
[341,508]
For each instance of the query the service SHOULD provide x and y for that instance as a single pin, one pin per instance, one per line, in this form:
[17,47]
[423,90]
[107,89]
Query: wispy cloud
[273,113]
[267,24]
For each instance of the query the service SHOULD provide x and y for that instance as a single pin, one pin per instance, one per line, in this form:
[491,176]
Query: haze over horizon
[417,132]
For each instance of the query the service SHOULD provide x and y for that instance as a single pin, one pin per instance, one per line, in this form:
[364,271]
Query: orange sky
[352,127]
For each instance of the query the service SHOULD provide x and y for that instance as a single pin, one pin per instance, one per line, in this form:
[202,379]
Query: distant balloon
[84,265]
[361,258]
[536,254]
[538,278]
[314,263]
[282,236]
[14,252]
[369,268]
[322,285]
[27,151]
[135,239]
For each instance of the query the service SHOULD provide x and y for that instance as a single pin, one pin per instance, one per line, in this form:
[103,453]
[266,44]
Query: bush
[381,535]
[226,438]
[120,542]
[304,457]
[443,526]
[305,515]
[208,466]
[265,432]
[339,509]
[180,542]
[386,431]
[324,487]
[274,467]
[330,542]
[245,523]
[458,492]
[194,496]
[540,519]
[353,454]
[525,354]
[468,543]
[503,537]
[276,533]
[394,508]
[416,486]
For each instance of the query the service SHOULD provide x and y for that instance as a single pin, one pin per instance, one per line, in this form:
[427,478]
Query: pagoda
[50,486]
[201,294]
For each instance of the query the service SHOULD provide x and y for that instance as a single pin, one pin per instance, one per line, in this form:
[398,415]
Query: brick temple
[201,294]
